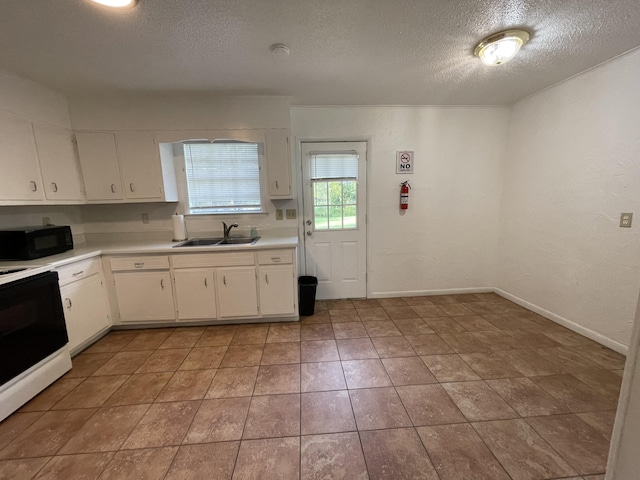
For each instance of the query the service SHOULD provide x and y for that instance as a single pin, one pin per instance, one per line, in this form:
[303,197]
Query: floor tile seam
[557,451]
[405,410]
[489,449]
[96,413]
[142,417]
[99,473]
[513,406]
[572,414]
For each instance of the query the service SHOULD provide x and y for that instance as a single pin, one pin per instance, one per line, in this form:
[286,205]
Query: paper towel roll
[179,228]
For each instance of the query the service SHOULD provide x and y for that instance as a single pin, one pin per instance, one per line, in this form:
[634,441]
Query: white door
[139,160]
[99,162]
[58,163]
[277,290]
[335,186]
[144,296]
[195,293]
[237,291]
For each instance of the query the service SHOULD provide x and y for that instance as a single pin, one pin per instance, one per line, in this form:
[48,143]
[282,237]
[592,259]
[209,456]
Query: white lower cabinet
[277,289]
[205,286]
[195,293]
[144,296]
[84,301]
[237,291]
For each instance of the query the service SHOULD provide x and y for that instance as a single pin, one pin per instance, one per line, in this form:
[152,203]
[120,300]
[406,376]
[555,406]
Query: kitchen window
[224,177]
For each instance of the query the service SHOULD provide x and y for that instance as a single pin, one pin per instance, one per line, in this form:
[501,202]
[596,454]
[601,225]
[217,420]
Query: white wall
[447,239]
[32,101]
[572,165]
[40,104]
[178,112]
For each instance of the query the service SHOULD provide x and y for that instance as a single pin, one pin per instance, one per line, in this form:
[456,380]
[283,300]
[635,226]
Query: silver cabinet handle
[67,302]
[266,279]
[224,280]
[205,282]
[277,186]
[78,273]
[162,283]
[138,264]
[131,187]
[309,233]
[308,222]
[275,259]
[113,188]
[34,186]
[54,186]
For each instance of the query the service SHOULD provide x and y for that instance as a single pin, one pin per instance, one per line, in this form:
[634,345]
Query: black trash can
[307,294]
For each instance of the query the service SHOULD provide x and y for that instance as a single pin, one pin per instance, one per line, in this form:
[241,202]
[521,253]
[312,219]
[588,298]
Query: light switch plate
[626,219]
[279,214]
[291,213]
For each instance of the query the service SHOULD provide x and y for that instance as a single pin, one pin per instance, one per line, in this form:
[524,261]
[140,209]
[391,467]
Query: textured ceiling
[409,52]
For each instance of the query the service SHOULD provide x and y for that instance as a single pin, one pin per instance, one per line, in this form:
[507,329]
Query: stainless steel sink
[212,242]
[238,241]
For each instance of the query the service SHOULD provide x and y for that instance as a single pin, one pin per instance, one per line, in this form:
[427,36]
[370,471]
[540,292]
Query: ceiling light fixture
[501,47]
[117,3]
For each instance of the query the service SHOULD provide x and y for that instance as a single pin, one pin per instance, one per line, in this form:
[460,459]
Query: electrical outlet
[291,213]
[626,219]
[279,214]
[145,218]
[46,221]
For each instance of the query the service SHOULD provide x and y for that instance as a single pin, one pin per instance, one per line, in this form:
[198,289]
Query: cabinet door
[195,294]
[140,164]
[144,296]
[20,177]
[86,311]
[277,290]
[279,164]
[60,173]
[99,162]
[237,292]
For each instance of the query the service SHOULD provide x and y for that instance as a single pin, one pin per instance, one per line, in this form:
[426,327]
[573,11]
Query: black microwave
[27,243]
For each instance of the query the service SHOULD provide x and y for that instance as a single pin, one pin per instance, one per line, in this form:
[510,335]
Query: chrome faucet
[227,230]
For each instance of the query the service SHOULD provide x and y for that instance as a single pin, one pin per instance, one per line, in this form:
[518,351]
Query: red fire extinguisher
[404,195]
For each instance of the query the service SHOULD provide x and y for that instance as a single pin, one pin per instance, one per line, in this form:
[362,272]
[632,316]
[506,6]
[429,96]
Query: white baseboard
[425,293]
[565,322]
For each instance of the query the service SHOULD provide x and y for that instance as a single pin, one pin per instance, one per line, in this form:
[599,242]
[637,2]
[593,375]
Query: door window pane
[334,178]
[321,218]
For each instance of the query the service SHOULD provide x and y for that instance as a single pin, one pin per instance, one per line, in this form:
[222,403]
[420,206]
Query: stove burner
[11,270]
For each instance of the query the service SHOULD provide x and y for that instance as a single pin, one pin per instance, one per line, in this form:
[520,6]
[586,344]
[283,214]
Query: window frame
[183,187]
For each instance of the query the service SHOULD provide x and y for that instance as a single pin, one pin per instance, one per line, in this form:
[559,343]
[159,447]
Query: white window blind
[223,177]
[333,166]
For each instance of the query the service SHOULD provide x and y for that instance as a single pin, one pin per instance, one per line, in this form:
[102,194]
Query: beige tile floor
[448,387]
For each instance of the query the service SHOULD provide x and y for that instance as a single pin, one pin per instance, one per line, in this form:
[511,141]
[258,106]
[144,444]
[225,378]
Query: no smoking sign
[404,162]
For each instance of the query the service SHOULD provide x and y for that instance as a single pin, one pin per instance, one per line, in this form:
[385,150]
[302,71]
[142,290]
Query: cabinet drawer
[227,259]
[150,262]
[273,257]
[78,270]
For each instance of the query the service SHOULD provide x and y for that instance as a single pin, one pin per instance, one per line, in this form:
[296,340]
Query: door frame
[302,254]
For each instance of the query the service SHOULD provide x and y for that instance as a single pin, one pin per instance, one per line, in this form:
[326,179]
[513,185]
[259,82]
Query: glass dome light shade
[501,47]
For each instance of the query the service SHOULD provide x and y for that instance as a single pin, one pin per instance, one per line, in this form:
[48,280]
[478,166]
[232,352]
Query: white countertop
[268,239]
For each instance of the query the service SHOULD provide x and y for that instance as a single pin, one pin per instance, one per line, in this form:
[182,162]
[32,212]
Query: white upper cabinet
[278,155]
[99,161]
[125,166]
[20,179]
[60,173]
[139,160]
